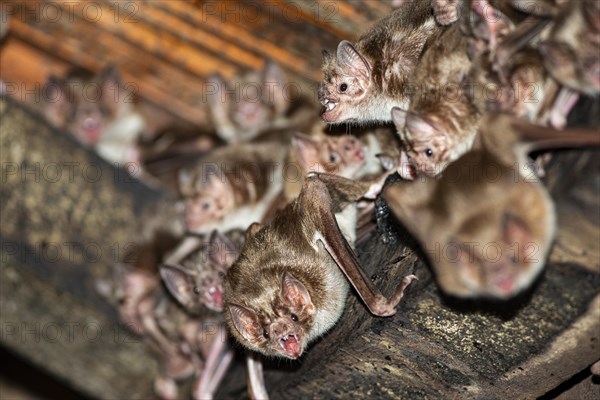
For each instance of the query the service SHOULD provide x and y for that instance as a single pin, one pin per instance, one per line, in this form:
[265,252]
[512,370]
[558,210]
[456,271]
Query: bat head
[427,145]
[208,198]
[279,321]
[341,155]
[345,89]
[484,236]
[85,105]
[198,281]
[244,108]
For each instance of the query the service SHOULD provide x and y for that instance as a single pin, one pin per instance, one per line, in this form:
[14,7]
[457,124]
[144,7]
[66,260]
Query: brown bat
[233,186]
[487,223]
[344,155]
[363,81]
[196,280]
[571,49]
[257,102]
[441,122]
[287,288]
[98,111]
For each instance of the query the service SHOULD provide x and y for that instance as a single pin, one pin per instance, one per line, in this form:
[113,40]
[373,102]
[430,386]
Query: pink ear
[419,128]
[218,184]
[350,59]
[306,150]
[515,231]
[274,82]
[57,101]
[179,282]
[245,321]
[294,291]
[399,118]
[218,102]
[222,251]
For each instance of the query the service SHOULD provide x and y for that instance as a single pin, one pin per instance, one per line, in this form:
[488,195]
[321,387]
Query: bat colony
[242,251]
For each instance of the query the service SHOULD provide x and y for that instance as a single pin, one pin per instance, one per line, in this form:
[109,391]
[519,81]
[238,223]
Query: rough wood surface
[59,231]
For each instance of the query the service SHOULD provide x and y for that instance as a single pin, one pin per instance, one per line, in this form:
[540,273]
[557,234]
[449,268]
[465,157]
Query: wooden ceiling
[168,48]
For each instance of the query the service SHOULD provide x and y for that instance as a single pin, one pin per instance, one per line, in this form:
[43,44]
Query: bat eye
[428,152]
[343,87]
[294,317]
[196,290]
[221,274]
[265,334]
[205,205]
[334,157]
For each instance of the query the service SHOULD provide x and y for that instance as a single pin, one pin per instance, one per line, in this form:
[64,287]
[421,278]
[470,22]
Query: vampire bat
[233,186]
[487,223]
[196,281]
[364,80]
[344,155]
[287,288]
[194,274]
[255,103]
[441,122]
[570,50]
[98,111]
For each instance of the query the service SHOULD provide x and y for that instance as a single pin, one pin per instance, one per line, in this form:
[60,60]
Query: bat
[288,288]
[364,80]
[487,223]
[233,186]
[441,122]
[257,102]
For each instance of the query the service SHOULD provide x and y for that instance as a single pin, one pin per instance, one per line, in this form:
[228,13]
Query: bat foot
[386,308]
[165,388]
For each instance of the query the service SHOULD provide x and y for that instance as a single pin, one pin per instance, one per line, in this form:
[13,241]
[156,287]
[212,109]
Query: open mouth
[214,298]
[291,345]
[329,105]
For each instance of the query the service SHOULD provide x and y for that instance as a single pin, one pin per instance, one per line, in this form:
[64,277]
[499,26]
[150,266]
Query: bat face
[258,99]
[345,90]
[341,155]
[484,237]
[570,52]
[198,281]
[427,146]
[497,260]
[207,200]
[280,322]
[85,106]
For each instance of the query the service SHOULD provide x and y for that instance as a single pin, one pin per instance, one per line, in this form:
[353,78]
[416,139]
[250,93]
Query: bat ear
[185,180]
[56,101]
[274,78]
[222,250]
[399,118]
[294,291]
[387,162]
[113,95]
[305,150]
[419,128]
[179,282]
[351,60]
[245,322]
[218,184]
[515,230]
[252,230]
[218,107]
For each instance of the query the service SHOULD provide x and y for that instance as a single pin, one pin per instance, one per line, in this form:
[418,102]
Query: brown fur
[441,122]
[389,51]
[287,287]
[228,179]
[486,199]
